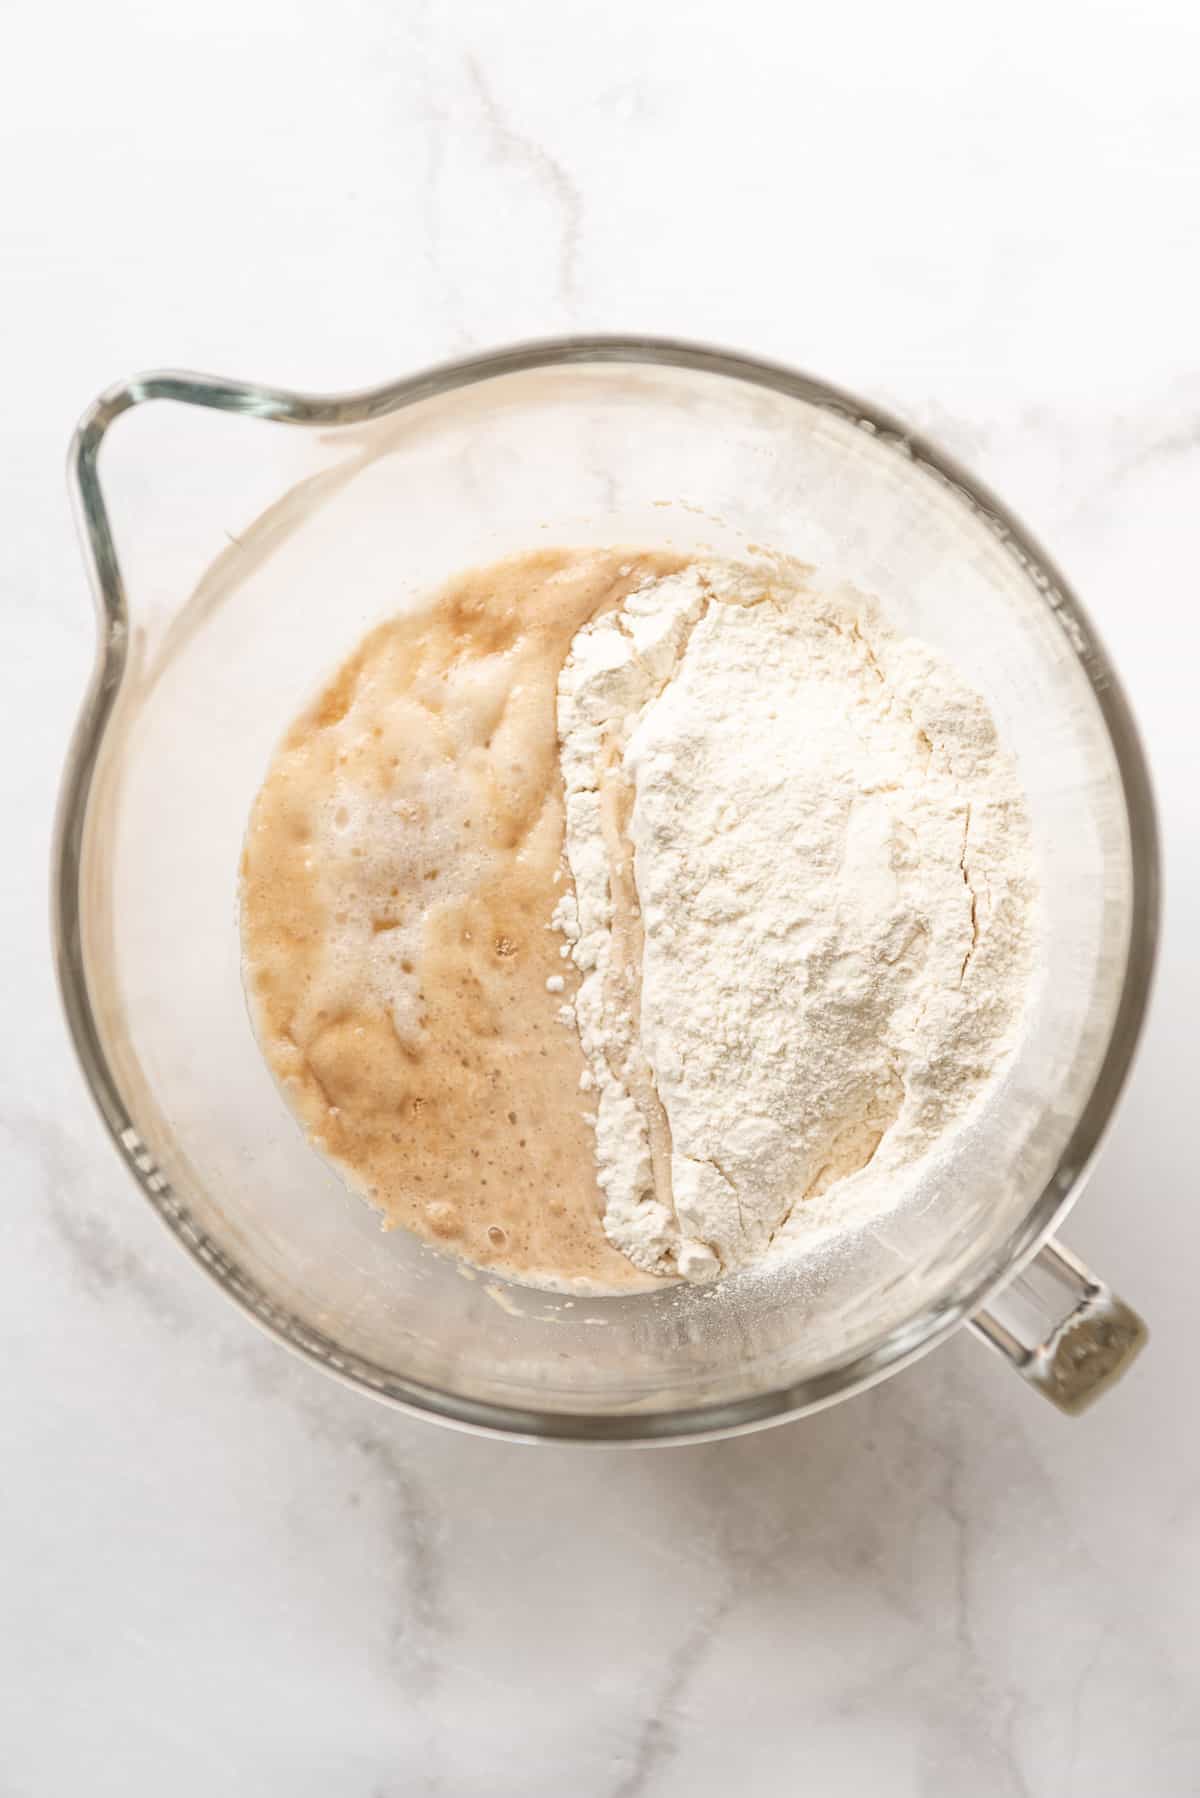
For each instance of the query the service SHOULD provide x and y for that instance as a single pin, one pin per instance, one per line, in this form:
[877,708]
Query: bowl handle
[1062,1329]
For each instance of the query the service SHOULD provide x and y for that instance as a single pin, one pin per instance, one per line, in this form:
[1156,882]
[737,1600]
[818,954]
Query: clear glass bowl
[254,558]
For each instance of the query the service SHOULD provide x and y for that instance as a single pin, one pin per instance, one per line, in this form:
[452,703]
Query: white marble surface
[220,1572]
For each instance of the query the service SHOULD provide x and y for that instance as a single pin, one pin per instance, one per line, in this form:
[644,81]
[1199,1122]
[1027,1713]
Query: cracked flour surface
[802,908]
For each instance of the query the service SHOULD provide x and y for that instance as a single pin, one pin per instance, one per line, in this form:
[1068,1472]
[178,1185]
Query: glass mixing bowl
[247,560]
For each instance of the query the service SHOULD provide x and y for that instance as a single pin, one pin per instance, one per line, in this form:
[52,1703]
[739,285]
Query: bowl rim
[841,1377]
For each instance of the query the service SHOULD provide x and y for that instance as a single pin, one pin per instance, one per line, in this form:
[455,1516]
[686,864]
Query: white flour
[802,909]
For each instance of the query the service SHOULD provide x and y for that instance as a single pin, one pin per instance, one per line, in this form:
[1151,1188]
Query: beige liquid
[401,865]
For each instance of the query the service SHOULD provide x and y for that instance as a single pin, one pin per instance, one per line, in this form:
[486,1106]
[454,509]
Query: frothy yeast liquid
[401,864]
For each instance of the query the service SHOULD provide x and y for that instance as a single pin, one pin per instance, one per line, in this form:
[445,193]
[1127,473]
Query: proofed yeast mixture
[401,866]
[621,917]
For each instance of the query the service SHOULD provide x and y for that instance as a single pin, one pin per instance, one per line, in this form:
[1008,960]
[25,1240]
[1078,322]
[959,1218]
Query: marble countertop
[222,1572]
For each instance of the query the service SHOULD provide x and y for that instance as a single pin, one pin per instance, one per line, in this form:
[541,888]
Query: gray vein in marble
[419,1622]
[1164,446]
[436,117]
[420,1612]
[432,212]
[976,1726]
[1009,1748]
[523,152]
[958,1516]
[659,1736]
[1076,1733]
[748,1550]
[106,1265]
